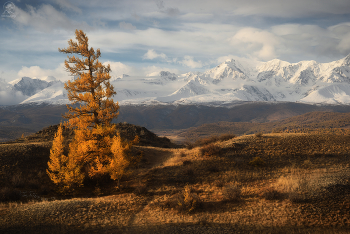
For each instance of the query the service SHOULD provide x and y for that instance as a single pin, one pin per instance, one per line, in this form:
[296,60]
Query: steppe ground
[263,183]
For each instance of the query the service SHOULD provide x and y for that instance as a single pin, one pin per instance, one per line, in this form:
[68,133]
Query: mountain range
[231,81]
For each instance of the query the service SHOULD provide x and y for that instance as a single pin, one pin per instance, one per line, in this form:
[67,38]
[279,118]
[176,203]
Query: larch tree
[92,153]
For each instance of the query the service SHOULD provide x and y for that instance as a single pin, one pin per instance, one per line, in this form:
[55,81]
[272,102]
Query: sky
[144,37]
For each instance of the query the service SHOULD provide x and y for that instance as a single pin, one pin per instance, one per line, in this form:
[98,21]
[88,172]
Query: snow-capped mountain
[28,86]
[230,81]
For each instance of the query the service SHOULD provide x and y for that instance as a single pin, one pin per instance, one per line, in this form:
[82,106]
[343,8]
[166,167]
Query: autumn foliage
[97,149]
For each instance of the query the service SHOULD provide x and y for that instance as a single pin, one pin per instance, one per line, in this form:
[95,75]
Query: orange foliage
[96,150]
[63,170]
[92,87]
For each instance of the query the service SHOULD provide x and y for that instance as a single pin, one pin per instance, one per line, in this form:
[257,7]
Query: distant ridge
[301,123]
[30,118]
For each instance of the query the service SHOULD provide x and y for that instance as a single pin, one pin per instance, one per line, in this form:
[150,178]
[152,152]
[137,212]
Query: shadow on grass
[200,227]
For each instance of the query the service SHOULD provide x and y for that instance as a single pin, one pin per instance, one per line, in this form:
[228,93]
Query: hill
[308,122]
[274,183]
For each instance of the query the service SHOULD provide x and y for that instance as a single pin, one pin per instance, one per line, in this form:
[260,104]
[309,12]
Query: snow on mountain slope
[232,80]
[29,86]
[55,94]
[195,86]
[332,94]
[229,69]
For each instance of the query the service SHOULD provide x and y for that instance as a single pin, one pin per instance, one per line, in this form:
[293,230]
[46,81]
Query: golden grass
[183,191]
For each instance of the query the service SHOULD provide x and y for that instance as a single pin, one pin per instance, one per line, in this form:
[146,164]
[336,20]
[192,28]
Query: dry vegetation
[265,183]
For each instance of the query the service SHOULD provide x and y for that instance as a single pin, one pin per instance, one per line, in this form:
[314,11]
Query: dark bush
[271,194]
[213,168]
[219,183]
[232,193]
[257,162]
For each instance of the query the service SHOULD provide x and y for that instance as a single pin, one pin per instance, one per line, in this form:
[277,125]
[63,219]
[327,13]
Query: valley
[30,118]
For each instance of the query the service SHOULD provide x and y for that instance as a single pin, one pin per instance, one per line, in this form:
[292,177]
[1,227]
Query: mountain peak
[29,86]
[346,61]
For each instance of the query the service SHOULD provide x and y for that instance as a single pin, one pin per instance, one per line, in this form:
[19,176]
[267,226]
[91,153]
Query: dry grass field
[260,183]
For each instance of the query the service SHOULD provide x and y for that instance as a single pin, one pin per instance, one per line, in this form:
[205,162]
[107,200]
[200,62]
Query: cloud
[60,73]
[170,11]
[37,72]
[261,43]
[189,62]
[46,18]
[10,97]
[67,5]
[118,68]
[155,70]
[151,54]
[342,32]
[290,9]
[126,26]
[160,4]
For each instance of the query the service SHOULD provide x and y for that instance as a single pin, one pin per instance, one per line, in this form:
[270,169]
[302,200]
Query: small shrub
[219,183]
[271,194]
[182,155]
[187,201]
[9,194]
[210,150]
[307,164]
[258,134]
[232,193]
[186,162]
[97,191]
[213,168]
[257,162]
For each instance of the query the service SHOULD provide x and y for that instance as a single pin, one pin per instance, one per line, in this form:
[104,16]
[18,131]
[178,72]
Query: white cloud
[126,26]
[155,70]
[286,9]
[60,73]
[171,11]
[245,61]
[10,97]
[118,69]
[189,62]
[151,54]
[37,72]
[259,42]
[67,5]
[46,18]
[342,32]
